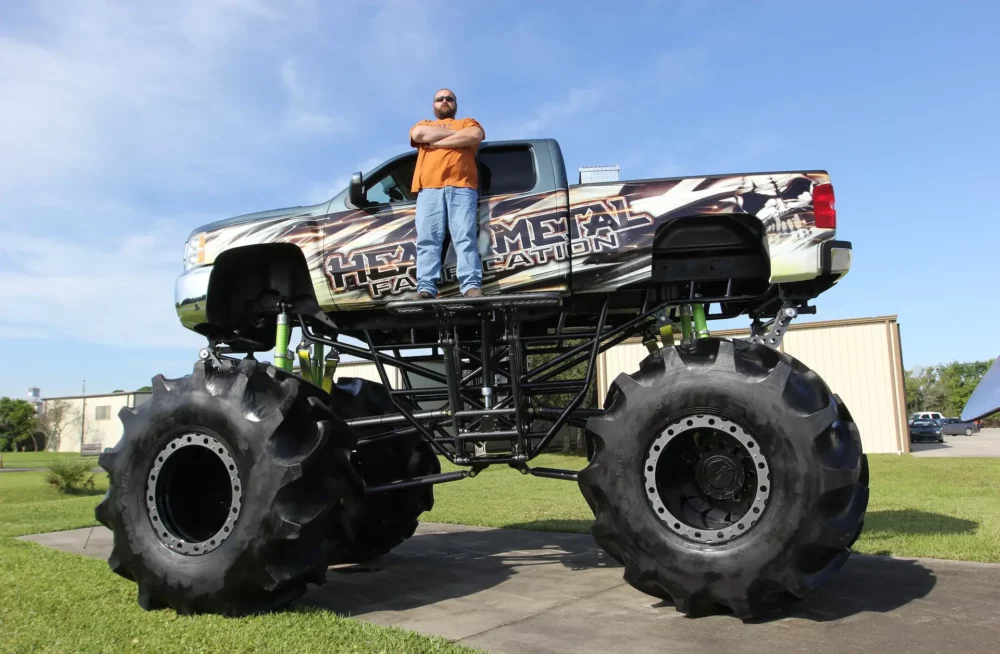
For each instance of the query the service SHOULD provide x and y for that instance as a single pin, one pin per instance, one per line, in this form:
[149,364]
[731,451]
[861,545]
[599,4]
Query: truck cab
[524,242]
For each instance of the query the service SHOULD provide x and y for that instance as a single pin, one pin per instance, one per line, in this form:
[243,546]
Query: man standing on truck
[446,179]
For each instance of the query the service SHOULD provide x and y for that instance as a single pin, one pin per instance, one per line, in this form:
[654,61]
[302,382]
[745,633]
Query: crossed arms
[442,137]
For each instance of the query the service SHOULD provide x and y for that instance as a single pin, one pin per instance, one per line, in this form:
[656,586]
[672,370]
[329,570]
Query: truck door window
[391,185]
[507,170]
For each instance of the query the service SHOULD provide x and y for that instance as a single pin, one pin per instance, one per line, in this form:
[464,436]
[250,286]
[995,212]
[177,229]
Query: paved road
[526,591]
[985,443]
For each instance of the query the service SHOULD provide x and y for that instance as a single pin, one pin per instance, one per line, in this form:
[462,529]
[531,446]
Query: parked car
[926,429]
[956,426]
[925,415]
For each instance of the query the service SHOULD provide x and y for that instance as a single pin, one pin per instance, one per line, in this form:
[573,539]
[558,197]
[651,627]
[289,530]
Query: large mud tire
[383,520]
[290,487]
[816,479]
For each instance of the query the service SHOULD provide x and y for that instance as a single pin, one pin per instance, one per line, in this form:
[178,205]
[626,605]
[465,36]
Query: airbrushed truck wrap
[721,473]
[591,238]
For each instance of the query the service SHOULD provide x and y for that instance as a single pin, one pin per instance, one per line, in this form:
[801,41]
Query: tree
[945,388]
[18,422]
[914,385]
[958,380]
[54,421]
[923,390]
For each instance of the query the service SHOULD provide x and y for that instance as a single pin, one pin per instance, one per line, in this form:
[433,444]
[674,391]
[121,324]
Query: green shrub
[71,475]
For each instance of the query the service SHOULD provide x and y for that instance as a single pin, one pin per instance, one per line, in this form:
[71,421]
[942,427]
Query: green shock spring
[281,358]
[700,324]
[317,364]
[686,323]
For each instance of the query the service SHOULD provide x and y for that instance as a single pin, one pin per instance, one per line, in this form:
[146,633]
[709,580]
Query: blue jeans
[456,207]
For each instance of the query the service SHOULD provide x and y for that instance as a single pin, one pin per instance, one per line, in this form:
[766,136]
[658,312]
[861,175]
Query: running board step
[474,304]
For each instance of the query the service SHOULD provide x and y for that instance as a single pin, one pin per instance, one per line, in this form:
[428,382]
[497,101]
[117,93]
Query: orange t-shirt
[437,168]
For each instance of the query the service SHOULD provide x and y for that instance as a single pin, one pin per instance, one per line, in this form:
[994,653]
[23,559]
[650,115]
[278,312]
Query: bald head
[445,103]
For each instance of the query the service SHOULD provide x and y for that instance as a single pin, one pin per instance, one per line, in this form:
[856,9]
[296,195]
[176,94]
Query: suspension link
[772,333]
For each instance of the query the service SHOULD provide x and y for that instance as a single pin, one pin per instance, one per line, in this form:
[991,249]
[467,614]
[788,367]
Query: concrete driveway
[529,591]
[985,443]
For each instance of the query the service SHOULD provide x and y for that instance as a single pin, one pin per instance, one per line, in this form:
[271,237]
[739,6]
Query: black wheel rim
[194,494]
[707,479]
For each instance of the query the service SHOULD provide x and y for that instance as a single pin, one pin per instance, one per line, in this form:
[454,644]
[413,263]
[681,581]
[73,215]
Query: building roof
[796,326]
[94,395]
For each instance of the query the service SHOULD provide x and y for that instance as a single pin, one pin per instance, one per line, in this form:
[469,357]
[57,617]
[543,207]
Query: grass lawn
[56,602]
[937,508]
[35,459]
[51,601]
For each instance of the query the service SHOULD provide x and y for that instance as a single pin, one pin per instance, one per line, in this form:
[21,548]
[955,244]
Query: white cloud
[410,47]
[119,294]
[325,191]
[549,114]
[101,98]
[18,333]
[303,114]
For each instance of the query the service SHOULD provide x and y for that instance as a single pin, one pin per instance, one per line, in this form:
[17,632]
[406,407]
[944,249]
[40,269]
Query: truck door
[370,251]
[524,219]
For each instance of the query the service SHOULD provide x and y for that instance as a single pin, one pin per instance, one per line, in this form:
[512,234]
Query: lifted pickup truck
[722,473]
[744,239]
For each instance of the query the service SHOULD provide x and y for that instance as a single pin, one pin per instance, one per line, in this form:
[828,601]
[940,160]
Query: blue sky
[125,125]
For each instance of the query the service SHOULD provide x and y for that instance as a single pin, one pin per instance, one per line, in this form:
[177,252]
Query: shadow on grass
[83,492]
[572,454]
[560,526]
[922,446]
[912,522]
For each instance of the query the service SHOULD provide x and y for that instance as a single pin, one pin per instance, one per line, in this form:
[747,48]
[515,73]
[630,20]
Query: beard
[447,112]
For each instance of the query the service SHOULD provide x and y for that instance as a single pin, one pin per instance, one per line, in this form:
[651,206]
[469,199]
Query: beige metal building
[89,423]
[860,359]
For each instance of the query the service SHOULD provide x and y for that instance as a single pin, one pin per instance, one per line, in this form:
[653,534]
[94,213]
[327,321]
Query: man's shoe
[474,292]
[424,295]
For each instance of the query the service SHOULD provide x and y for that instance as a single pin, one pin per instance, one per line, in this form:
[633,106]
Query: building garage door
[860,359]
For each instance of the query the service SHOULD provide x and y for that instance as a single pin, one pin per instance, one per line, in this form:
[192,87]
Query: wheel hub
[707,479]
[194,494]
[720,475]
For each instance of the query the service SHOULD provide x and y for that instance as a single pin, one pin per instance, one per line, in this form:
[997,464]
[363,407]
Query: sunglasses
[445,98]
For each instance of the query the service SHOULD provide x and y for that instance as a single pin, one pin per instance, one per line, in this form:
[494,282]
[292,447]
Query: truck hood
[317,209]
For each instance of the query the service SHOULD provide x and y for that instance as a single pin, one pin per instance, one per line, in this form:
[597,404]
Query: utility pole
[83,415]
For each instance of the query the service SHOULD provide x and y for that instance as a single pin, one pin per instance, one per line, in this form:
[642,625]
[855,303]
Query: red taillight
[824,206]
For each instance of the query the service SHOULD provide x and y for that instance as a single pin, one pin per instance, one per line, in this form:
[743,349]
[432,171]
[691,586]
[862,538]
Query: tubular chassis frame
[472,368]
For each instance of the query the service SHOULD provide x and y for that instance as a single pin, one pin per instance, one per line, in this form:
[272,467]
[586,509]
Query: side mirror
[356,192]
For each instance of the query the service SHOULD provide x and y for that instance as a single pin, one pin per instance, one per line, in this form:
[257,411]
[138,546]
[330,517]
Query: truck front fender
[243,291]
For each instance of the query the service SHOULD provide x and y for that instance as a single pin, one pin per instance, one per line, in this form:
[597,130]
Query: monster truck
[723,474]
